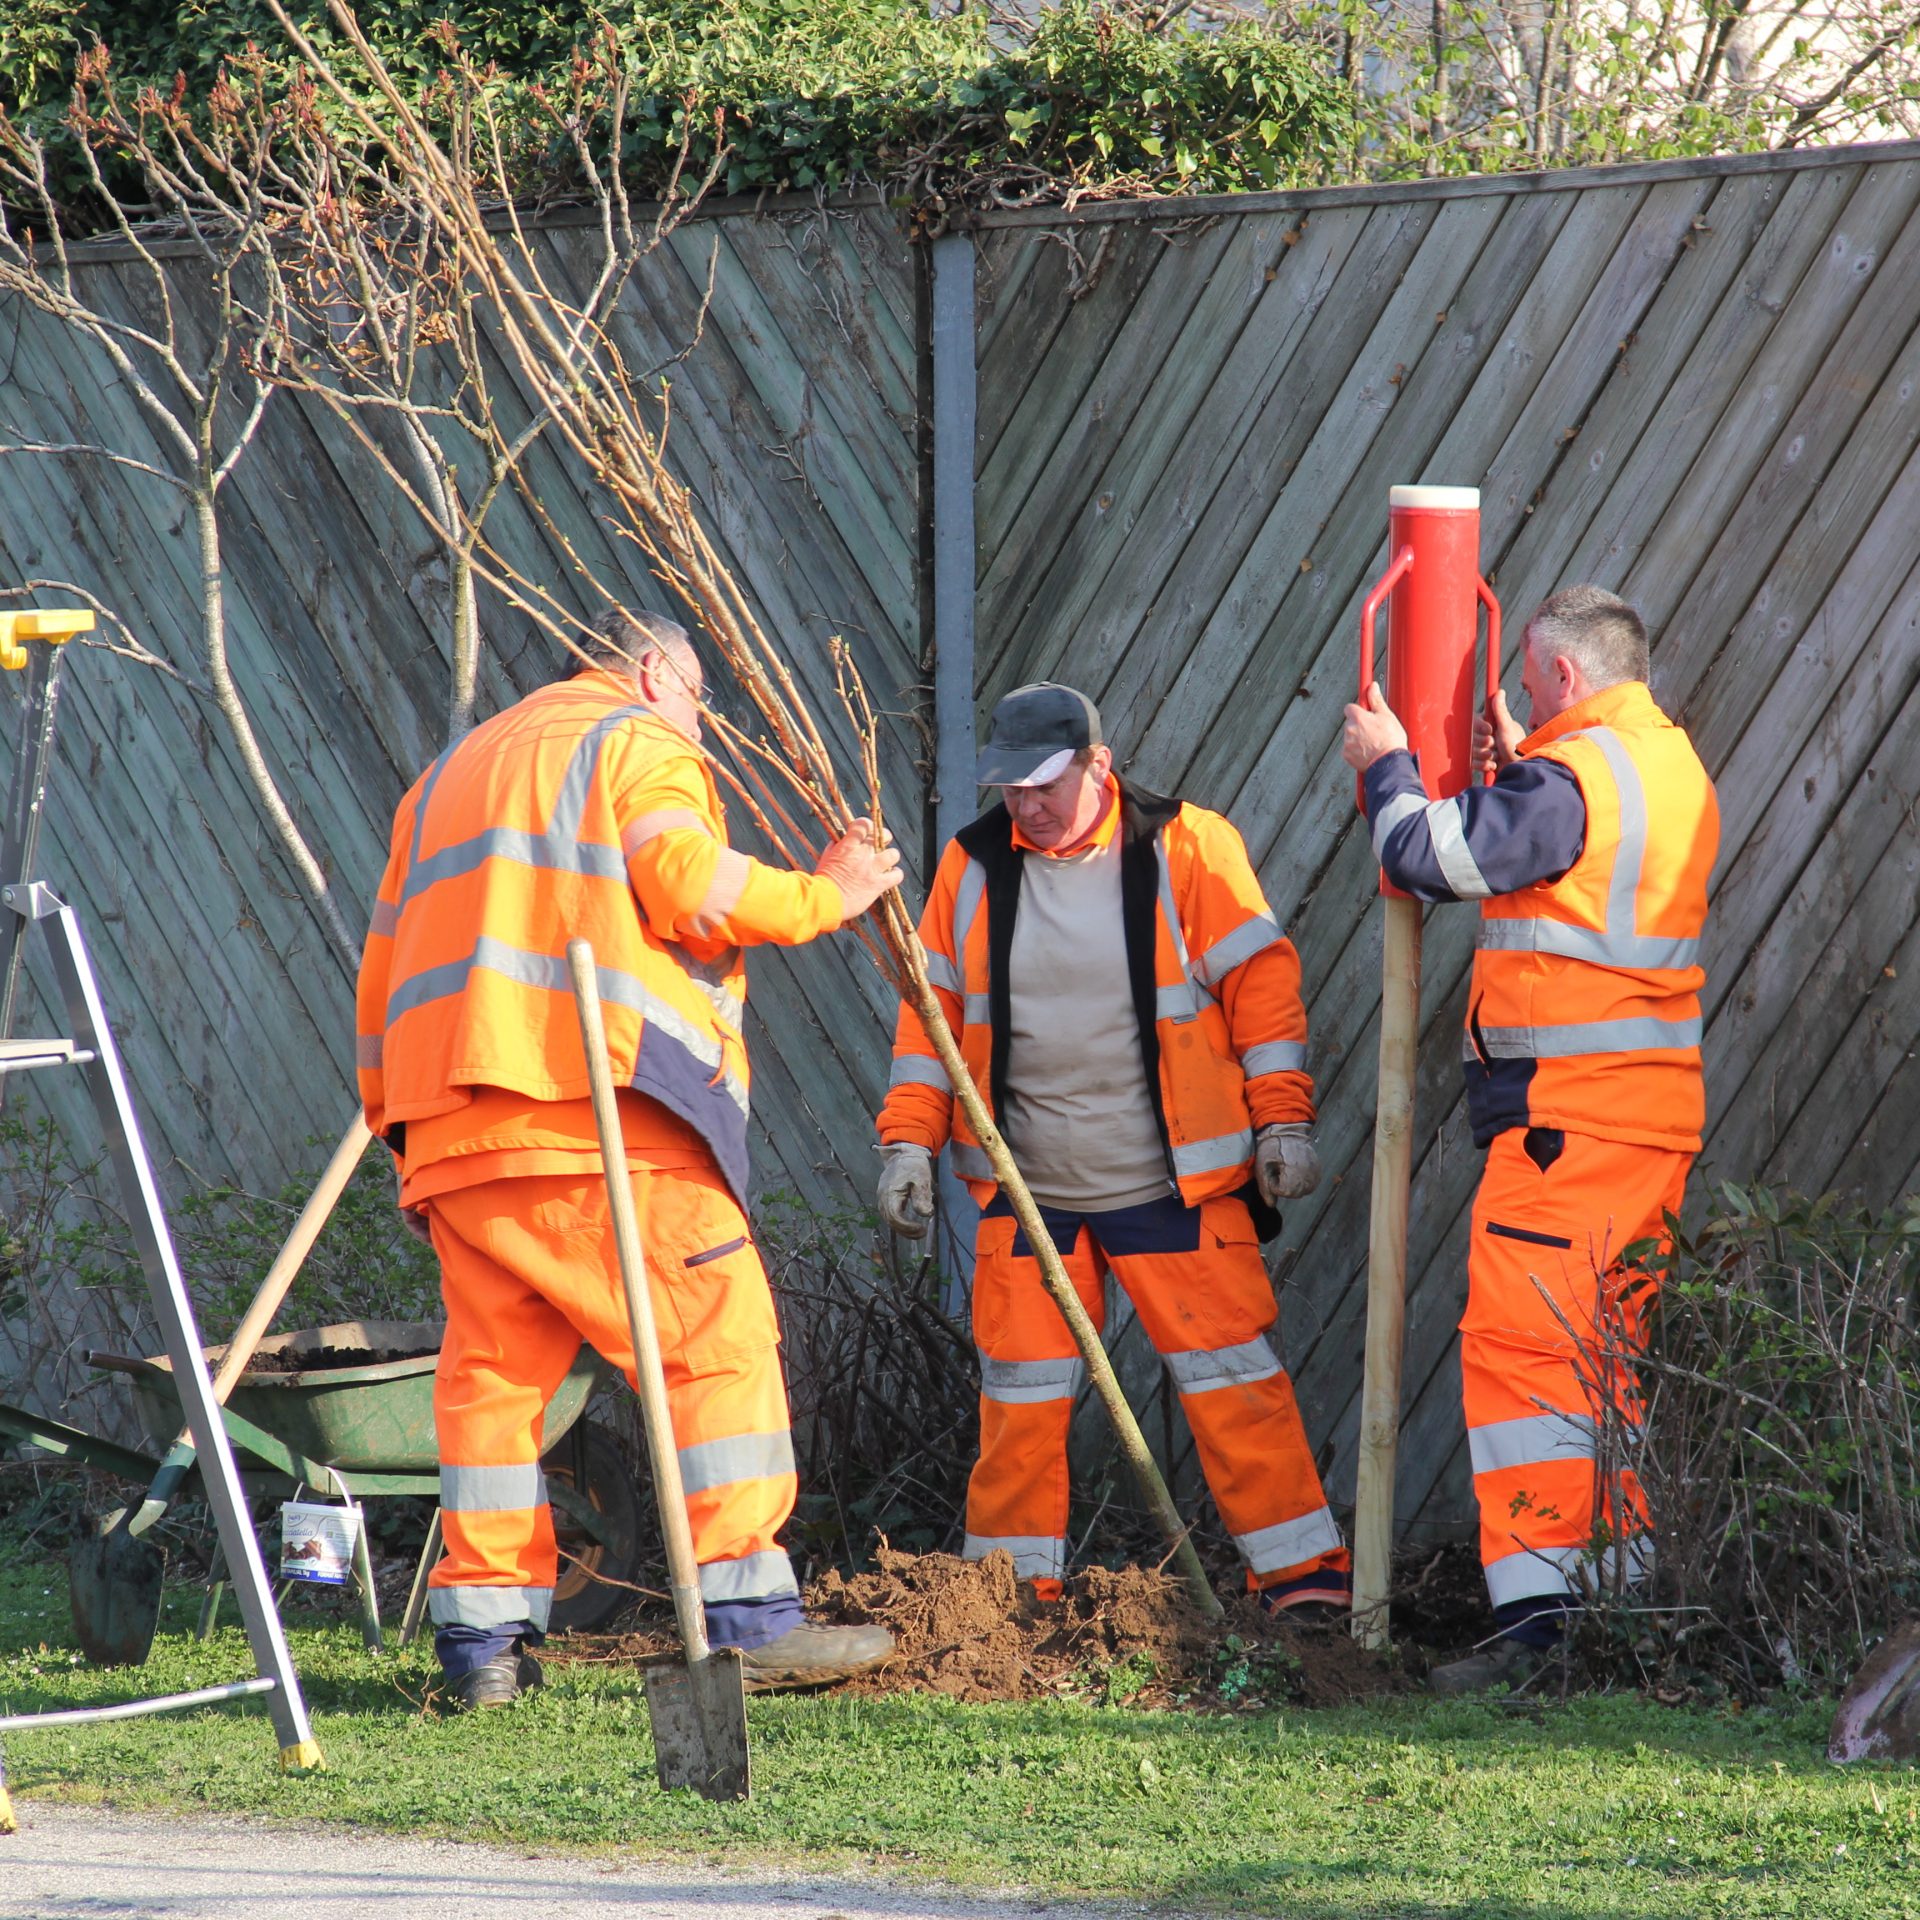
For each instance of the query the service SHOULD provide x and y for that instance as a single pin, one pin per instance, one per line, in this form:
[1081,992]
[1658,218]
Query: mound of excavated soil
[973,1631]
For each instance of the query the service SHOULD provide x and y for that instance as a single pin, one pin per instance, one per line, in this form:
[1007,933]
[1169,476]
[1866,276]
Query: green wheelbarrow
[366,1430]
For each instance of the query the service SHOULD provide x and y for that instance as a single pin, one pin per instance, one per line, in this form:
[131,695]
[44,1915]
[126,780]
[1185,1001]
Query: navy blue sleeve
[1528,826]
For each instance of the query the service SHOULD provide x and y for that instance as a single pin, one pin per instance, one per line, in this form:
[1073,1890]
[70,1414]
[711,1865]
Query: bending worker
[1132,1016]
[1590,853]
[588,808]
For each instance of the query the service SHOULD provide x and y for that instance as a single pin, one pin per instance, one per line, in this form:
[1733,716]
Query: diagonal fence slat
[1692,384]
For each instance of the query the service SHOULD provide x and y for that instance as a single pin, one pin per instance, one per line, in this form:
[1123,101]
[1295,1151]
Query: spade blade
[698,1713]
[114,1580]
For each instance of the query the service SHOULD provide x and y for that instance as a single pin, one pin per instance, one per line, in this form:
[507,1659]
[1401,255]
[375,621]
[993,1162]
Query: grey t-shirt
[1082,1125]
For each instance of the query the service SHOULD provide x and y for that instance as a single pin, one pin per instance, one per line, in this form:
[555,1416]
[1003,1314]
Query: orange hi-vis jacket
[1584,1013]
[574,812]
[1216,990]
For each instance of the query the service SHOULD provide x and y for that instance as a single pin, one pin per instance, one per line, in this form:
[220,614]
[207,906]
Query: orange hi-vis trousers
[1554,1321]
[1196,1279]
[528,1272]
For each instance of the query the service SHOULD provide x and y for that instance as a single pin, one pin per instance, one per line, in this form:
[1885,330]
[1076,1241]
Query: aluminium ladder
[88,1044]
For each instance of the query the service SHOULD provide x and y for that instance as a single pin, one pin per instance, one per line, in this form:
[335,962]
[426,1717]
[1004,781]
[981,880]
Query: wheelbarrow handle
[178,1462]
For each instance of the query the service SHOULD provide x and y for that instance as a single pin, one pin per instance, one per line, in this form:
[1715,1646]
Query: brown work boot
[815,1656]
[498,1682]
[1507,1663]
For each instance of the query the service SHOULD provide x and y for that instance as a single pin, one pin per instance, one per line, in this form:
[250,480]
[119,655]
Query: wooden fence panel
[796,423]
[1694,384]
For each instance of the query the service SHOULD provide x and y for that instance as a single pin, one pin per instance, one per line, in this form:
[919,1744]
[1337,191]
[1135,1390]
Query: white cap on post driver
[1436,499]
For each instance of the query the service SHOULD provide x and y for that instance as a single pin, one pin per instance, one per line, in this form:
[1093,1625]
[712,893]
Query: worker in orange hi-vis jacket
[1131,1013]
[1590,854]
[589,809]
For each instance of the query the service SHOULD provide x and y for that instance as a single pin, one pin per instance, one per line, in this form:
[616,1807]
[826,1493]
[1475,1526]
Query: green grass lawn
[1604,1809]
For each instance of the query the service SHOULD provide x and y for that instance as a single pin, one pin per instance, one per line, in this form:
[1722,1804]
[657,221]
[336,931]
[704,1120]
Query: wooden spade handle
[683,1571]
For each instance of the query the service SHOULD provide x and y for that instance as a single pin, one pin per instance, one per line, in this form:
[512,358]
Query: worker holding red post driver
[1590,853]
[1131,1013]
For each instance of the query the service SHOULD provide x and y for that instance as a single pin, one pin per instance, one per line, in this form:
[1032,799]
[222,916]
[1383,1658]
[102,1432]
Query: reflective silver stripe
[650,826]
[558,848]
[1635,952]
[942,972]
[386,918]
[1274,1056]
[1269,1549]
[1449,830]
[966,903]
[1185,996]
[758,1577]
[971,1162]
[428,781]
[1403,806]
[1535,1571]
[549,971]
[1542,1439]
[979,1010]
[712,977]
[1209,1156]
[1623,885]
[731,871]
[744,1456]
[1250,937]
[489,1606]
[1026,1383]
[492,1489]
[1201,1371]
[1035,1556]
[916,1070]
[570,805]
[547,851]
[369,1051]
[1588,1036]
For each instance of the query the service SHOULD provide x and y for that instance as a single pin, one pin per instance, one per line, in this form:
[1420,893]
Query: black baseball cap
[1034,732]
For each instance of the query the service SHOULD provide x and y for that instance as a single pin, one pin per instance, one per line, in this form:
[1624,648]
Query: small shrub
[885,1388]
[1781,1397]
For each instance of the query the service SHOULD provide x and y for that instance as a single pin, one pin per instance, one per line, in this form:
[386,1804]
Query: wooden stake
[1386,1270]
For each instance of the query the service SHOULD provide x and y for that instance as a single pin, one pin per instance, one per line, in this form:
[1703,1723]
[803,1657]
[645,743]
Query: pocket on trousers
[721,1296]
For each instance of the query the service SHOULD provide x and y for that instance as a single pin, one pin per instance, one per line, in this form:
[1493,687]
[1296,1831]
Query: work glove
[1284,1162]
[906,1189]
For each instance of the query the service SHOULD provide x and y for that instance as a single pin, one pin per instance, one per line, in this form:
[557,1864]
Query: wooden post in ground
[1386,1269]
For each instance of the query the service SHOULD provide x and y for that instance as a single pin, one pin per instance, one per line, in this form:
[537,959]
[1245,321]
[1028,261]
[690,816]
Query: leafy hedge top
[805,93]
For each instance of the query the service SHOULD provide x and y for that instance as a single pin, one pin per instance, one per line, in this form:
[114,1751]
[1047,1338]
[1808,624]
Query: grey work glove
[906,1189]
[1284,1161]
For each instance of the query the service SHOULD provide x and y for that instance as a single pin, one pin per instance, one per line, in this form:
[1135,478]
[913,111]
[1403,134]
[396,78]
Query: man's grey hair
[616,638]
[1597,630]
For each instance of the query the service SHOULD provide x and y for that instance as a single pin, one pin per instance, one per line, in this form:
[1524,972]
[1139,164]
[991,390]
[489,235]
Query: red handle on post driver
[1369,619]
[1485,596]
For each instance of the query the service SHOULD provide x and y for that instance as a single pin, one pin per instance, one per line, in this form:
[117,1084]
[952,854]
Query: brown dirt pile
[973,1631]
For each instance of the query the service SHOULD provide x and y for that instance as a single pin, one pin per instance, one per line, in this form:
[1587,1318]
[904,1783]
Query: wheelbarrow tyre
[597,1577]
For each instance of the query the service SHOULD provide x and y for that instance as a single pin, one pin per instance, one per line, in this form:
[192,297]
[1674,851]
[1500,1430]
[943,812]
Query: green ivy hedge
[806,93]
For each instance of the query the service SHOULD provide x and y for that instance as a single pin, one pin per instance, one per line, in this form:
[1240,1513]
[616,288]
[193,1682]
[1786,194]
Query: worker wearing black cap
[1131,1013]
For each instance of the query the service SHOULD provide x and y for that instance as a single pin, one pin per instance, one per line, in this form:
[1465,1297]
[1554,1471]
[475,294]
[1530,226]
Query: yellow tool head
[52,624]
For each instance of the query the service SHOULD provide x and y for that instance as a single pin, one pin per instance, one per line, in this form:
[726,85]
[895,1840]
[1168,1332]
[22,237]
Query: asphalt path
[88,1863]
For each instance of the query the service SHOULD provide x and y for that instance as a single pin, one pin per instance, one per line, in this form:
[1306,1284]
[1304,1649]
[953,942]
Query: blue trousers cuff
[462,1649]
[752,1623]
